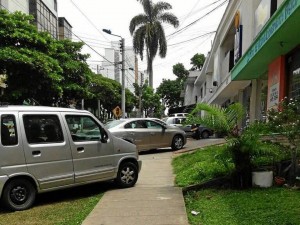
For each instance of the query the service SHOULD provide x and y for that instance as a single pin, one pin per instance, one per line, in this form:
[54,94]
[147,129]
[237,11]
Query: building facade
[255,57]
[65,29]
[112,68]
[44,13]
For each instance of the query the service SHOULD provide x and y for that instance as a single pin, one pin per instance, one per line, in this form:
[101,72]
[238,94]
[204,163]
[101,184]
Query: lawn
[276,205]
[272,206]
[66,207]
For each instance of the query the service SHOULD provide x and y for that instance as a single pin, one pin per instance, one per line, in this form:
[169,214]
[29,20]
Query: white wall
[22,6]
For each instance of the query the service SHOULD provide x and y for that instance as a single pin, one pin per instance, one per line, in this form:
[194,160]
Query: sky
[197,22]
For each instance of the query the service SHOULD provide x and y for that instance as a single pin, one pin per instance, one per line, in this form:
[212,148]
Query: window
[151,125]
[136,124]
[84,128]
[42,129]
[8,130]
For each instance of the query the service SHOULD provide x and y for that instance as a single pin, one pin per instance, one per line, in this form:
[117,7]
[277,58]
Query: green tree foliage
[284,119]
[76,72]
[197,61]
[108,91]
[180,71]
[151,103]
[148,31]
[39,67]
[24,58]
[169,91]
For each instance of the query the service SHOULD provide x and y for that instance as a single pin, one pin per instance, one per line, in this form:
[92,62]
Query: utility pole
[122,49]
[140,96]
[123,77]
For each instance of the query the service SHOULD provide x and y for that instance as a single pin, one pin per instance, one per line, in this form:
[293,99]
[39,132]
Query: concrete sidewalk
[154,200]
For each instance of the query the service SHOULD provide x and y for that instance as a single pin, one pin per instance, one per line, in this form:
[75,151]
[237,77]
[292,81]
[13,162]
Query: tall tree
[180,71]
[151,103]
[198,61]
[169,91]
[102,87]
[147,31]
[24,58]
[34,62]
[76,73]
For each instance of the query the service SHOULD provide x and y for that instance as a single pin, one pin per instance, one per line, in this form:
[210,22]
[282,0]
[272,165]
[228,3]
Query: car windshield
[113,123]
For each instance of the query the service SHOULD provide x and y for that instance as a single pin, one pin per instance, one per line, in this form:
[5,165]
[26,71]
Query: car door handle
[36,153]
[80,149]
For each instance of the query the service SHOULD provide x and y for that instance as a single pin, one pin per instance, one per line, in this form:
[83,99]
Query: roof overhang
[278,37]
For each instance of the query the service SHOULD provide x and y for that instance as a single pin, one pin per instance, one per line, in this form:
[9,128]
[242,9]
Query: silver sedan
[148,134]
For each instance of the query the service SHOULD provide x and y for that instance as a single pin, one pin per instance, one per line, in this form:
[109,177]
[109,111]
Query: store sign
[238,38]
[274,95]
[276,79]
[272,27]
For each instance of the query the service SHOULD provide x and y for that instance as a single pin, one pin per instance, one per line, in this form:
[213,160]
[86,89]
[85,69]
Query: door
[137,132]
[93,160]
[47,151]
[159,136]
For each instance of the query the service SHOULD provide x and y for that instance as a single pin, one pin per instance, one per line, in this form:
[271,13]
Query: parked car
[178,114]
[179,121]
[46,148]
[200,131]
[148,134]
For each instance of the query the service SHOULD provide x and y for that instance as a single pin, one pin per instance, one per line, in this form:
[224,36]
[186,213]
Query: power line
[203,35]
[88,19]
[74,35]
[194,22]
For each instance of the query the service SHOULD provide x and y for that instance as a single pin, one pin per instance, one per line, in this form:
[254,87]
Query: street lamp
[122,45]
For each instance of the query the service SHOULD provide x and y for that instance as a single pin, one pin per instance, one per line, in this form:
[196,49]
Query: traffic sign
[117,111]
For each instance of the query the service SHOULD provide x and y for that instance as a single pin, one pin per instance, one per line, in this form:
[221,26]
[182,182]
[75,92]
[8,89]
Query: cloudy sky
[198,20]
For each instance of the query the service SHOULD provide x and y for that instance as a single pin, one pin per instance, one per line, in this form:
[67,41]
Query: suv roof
[178,114]
[23,108]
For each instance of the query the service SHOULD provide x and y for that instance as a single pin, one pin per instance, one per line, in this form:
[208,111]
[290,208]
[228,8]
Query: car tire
[127,175]
[177,142]
[205,134]
[18,194]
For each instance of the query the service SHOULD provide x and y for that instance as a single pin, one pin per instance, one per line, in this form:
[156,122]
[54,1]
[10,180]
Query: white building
[254,58]
[113,67]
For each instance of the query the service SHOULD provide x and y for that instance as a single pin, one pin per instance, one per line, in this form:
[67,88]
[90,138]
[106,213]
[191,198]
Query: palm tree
[147,31]
[241,146]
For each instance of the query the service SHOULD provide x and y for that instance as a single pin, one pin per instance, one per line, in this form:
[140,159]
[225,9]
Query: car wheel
[127,175]
[18,194]
[177,142]
[205,134]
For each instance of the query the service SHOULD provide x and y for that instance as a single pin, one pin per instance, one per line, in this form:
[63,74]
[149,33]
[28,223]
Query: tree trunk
[150,71]
[242,176]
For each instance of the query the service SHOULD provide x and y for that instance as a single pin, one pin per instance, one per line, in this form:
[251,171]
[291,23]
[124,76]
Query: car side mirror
[103,136]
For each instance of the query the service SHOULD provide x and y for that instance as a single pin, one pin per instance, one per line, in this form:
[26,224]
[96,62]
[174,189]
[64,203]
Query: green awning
[279,36]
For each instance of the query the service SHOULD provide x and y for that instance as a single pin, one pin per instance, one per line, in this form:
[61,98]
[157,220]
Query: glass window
[42,129]
[136,124]
[8,130]
[152,124]
[84,128]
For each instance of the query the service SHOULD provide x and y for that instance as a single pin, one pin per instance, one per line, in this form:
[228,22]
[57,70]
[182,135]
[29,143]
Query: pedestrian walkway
[153,201]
